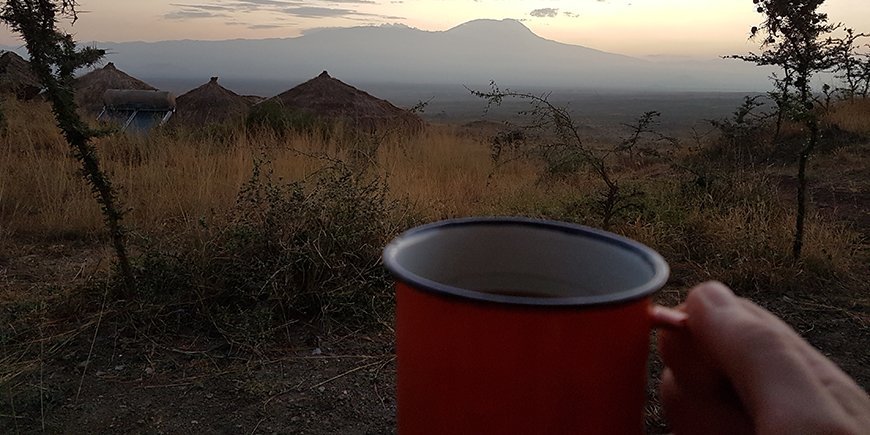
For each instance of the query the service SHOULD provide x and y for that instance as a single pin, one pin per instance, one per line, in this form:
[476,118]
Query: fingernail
[715,294]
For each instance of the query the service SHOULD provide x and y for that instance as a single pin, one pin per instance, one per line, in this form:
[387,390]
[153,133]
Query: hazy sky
[634,27]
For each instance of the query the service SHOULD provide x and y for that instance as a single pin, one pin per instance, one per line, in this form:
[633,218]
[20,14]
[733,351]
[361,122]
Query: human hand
[736,368]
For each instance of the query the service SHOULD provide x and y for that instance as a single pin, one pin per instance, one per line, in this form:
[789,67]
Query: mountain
[471,54]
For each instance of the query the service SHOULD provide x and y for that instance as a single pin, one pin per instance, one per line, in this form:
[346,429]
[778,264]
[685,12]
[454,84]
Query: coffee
[522,293]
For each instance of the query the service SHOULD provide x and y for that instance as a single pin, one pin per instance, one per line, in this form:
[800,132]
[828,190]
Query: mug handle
[667,318]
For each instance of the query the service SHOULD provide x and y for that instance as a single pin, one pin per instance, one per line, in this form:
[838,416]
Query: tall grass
[852,116]
[171,179]
[174,182]
[242,232]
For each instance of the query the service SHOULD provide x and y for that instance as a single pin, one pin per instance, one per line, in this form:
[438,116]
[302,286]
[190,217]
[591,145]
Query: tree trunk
[778,132]
[54,59]
[802,188]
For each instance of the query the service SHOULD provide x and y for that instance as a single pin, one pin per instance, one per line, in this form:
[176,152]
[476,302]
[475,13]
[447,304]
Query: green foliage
[274,116]
[742,137]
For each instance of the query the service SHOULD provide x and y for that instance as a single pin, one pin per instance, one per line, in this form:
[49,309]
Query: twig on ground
[353,370]
[182,384]
[281,393]
[81,269]
[257,426]
[812,305]
[15,417]
[388,326]
[377,374]
[93,342]
[41,367]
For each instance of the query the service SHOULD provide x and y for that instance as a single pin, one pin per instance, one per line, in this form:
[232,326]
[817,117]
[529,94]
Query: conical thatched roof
[17,78]
[326,97]
[210,103]
[90,87]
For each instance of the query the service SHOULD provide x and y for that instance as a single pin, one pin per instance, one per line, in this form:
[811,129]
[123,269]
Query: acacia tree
[552,137]
[795,37]
[852,66]
[54,58]
[782,97]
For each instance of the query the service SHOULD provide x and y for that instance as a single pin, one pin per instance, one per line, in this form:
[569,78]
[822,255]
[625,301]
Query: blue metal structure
[137,111]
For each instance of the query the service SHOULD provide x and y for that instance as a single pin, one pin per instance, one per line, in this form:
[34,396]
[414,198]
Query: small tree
[795,36]
[743,128]
[55,58]
[784,100]
[852,67]
[563,152]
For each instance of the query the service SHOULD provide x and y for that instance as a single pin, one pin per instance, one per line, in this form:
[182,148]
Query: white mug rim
[660,268]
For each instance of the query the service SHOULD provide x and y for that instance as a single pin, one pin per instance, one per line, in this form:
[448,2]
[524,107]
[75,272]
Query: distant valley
[469,54]
[407,66]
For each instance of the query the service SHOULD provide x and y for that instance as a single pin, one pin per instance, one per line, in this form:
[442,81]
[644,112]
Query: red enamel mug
[519,326]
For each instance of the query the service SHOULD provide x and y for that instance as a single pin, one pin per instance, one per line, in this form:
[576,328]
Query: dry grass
[164,181]
[736,227]
[448,175]
[173,182]
[852,116]
[169,180]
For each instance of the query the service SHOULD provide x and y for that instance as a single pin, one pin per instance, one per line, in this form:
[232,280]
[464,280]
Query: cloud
[202,7]
[262,3]
[544,12]
[278,9]
[316,12]
[570,14]
[190,14]
[265,26]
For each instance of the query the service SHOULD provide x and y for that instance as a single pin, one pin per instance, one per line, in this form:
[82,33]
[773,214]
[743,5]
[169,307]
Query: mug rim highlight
[661,270]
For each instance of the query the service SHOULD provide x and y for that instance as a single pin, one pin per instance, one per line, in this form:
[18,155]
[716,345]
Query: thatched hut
[331,99]
[90,87]
[16,77]
[210,104]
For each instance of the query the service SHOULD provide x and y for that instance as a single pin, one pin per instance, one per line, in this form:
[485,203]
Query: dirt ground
[124,381]
[338,388]
[118,380]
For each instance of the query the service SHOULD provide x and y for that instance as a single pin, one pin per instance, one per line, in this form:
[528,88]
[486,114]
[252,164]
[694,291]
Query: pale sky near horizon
[634,27]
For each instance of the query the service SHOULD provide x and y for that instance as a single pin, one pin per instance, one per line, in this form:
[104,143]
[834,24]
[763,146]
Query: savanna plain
[261,305]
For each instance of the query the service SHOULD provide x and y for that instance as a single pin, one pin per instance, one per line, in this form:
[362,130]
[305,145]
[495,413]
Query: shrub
[274,116]
[739,231]
[743,138]
[306,249]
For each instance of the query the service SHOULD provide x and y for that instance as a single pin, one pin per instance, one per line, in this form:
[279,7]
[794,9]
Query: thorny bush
[293,250]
